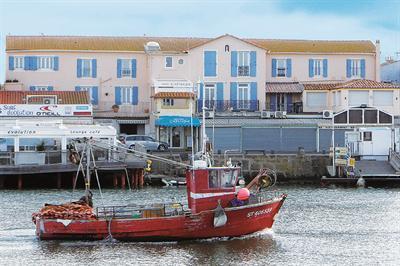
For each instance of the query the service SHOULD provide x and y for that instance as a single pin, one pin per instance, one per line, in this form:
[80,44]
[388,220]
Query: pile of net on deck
[68,211]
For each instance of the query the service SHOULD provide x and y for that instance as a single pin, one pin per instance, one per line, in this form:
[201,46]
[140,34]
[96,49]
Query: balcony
[227,105]
[293,108]
[105,109]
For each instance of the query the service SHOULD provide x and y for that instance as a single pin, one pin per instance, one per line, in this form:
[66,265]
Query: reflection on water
[316,226]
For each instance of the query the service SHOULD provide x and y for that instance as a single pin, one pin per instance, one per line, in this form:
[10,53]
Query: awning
[177,121]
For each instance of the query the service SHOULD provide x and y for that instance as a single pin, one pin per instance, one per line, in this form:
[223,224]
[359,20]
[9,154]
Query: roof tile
[64,97]
[181,95]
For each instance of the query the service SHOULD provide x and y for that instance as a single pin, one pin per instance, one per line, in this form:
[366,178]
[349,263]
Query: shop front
[180,132]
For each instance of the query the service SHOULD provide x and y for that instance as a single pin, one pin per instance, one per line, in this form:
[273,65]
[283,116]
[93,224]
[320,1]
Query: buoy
[361,182]
[243,194]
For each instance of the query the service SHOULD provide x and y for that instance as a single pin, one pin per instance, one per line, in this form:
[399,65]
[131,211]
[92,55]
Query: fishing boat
[216,207]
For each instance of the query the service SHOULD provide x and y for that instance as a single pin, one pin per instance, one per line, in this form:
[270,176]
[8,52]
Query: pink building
[236,76]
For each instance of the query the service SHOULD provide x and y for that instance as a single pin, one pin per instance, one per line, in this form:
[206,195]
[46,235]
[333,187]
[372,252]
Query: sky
[278,19]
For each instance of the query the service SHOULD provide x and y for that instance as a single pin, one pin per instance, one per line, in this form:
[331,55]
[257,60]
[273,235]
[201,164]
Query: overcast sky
[285,19]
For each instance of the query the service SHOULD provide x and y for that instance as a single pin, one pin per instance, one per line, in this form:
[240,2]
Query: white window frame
[90,90]
[83,67]
[318,67]
[165,62]
[168,102]
[128,73]
[126,94]
[241,56]
[355,68]
[45,62]
[207,88]
[374,92]
[41,88]
[277,67]
[243,103]
[19,63]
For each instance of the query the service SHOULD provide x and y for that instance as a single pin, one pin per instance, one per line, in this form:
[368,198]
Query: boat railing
[140,211]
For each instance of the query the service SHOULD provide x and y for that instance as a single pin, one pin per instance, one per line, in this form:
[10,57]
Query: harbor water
[316,226]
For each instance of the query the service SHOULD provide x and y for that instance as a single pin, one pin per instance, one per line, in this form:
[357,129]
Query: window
[355,68]
[367,136]
[90,90]
[209,95]
[86,68]
[281,67]
[318,66]
[41,88]
[168,62]
[222,178]
[383,98]
[126,95]
[243,96]
[19,62]
[168,102]
[243,64]
[316,99]
[357,98]
[45,62]
[126,68]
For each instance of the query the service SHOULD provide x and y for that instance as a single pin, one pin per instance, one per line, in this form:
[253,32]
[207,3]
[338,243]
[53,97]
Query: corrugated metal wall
[278,139]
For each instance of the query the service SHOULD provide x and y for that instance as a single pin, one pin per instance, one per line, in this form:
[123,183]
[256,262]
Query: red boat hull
[240,221]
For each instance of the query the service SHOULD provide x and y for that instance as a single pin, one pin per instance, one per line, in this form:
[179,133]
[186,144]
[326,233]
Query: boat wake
[17,234]
[264,233]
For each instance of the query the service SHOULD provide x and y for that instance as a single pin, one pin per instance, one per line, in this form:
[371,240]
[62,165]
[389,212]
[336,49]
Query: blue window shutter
[362,68]
[55,63]
[77,88]
[348,68]
[118,95]
[34,62]
[119,68]
[32,88]
[289,68]
[289,103]
[325,68]
[272,102]
[135,95]
[253,63]
[134,68]
[220,96]
[27,63]
[95,95]
[311,68]
[253,96]
[233,95]
[11,63]
[94,68]
[50,88]
[274,68]
[79,68]
[210,63]
[200,101]
[233,64]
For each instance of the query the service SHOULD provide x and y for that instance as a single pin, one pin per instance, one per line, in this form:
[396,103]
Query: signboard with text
[45,110]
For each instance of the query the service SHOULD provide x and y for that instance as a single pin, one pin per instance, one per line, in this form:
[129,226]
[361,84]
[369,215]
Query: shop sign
[39,110]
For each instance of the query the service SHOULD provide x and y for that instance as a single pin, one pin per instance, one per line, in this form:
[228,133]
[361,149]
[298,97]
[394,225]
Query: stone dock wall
[291,168]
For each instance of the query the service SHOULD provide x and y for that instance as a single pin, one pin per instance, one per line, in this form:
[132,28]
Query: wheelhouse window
[19,62]
[243,64]
[168,102]
[168,62]
[126,68]
[355,68]
[243,96]
[281,67]
[126,95]
[222,178]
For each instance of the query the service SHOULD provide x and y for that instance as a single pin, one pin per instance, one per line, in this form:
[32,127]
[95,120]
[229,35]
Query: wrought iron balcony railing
[227,105]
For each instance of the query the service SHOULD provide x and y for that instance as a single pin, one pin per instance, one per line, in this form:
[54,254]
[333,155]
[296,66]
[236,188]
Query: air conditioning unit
[327,114]
[48,101]
[209,114]
[267,114]
[280,114]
